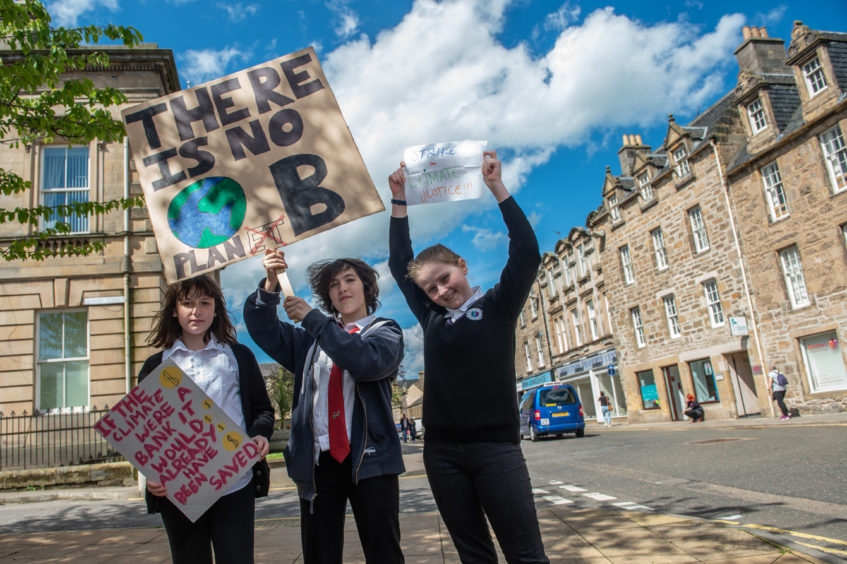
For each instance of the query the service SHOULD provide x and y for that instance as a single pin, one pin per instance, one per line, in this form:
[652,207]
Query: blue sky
[552,86]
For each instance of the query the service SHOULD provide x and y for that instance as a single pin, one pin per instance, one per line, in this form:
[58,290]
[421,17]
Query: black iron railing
[53,439]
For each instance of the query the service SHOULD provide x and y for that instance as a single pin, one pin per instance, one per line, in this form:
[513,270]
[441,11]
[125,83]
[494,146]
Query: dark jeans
[376,505]
[779,397]
[473,480]
[227,526]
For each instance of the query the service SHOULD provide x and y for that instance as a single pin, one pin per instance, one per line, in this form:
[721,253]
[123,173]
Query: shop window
[649,391]
[824,363]
[703,380]
[62,360]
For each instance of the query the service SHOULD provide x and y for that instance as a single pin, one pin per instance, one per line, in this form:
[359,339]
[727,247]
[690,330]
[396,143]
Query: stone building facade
[723,252]
[72,330]
[788,184]
[569,329]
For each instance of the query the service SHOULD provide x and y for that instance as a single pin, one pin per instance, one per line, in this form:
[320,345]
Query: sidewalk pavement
[570,534]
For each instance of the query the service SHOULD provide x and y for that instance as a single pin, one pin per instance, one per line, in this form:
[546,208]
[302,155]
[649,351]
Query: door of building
[676,399]
[746,399]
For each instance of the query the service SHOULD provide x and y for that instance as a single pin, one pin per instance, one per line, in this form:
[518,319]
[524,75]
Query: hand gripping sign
[254,160]
[170,430]
[443,172]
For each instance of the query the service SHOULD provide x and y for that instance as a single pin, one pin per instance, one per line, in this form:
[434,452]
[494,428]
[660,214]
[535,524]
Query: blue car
[553,409]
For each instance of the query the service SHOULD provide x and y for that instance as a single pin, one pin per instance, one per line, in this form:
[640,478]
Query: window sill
[649,204]
[617,224]
[680,183]
[775,220]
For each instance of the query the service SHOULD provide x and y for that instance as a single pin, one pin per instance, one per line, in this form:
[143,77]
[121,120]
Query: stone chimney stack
[632,145]
[760,54]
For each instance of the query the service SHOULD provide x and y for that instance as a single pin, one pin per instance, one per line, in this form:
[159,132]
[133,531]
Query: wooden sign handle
[284,283]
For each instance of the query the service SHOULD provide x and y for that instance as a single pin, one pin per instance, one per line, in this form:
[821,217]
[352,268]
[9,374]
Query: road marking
[537,491]
[824,549]
[573,488]
[557,500]
[555,482]
[599,497]
[632,506]
[795,533]
[735,517]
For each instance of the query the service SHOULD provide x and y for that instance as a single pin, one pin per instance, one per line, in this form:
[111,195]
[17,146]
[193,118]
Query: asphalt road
[790,478]
[787,477]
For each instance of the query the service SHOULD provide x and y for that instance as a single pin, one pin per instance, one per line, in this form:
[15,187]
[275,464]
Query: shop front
[592,375]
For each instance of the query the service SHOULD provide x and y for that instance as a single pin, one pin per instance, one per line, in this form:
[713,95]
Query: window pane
[77,175]
[49,336]
[76,391]
[54,168]
[703,379]
[824,362]
[76,334]
[649,392]
[50,386]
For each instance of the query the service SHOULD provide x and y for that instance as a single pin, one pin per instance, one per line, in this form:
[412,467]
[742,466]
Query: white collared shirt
[215,371]
[320,403]
[454,315]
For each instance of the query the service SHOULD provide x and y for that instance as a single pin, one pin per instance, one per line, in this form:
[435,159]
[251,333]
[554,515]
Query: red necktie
[339,444]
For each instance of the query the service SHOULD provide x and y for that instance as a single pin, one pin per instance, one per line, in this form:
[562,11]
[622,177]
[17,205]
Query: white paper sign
[170,430]
[444,172]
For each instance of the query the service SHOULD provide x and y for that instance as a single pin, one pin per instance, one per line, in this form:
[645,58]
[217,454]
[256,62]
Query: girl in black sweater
[472,454]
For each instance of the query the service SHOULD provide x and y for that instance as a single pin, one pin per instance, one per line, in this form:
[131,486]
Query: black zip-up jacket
[372,358]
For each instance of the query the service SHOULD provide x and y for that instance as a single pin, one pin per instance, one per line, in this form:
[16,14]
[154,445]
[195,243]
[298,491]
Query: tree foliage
[281,392]
[40,103]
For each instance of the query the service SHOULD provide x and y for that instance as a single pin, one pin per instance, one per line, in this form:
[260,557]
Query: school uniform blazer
[372,358]
[255,403]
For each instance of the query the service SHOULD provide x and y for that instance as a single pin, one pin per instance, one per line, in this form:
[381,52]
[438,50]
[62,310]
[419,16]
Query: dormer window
[835,155]
[756,113]
[614,210]
[645,188]
[681,162]
[815,79]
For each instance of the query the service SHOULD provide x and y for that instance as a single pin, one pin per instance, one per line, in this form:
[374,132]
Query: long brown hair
[166,328]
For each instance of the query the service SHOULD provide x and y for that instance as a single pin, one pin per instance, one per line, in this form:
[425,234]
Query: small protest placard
[443,172]
[170,430]
[251,161]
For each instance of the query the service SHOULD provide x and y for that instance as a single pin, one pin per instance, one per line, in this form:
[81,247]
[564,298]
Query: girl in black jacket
[195,331]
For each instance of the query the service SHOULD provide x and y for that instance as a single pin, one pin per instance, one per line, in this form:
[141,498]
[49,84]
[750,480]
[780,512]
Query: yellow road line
[796,534]
[824,549]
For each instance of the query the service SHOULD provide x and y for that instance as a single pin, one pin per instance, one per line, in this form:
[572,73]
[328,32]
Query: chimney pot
[763,31]
[745,32]
[638,139]
[624,140]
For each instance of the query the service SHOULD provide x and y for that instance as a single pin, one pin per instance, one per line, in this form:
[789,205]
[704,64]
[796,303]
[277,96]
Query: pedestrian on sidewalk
[605,409]
[472,454]
[343,444]
[693,409]
[194,329]
[404,426]
[413,428]
[777,384]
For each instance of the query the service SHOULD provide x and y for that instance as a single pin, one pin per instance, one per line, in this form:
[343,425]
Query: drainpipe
[125,269]
[753,323]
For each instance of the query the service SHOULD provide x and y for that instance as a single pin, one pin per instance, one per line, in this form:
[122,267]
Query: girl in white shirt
[194,329]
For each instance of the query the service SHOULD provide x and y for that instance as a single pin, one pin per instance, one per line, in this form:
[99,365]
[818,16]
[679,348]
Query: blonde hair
[435,253]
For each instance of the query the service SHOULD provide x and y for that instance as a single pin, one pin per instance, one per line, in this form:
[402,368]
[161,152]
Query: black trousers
[779,396]
[227,527]
[473,480]
[376,506]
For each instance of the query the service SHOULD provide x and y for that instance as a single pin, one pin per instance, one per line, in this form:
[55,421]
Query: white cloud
[402,88]
[561,18]
[413,343]
[203,65]
[347,19]
[238,11]
[65,12]
[486,239]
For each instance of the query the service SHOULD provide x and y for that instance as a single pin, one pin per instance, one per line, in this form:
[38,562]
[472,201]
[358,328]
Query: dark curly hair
[166,328]
[322,273]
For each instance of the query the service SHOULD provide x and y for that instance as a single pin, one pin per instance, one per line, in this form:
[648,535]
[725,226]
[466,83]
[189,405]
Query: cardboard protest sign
[254,160]
[170,430]
[443,172]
